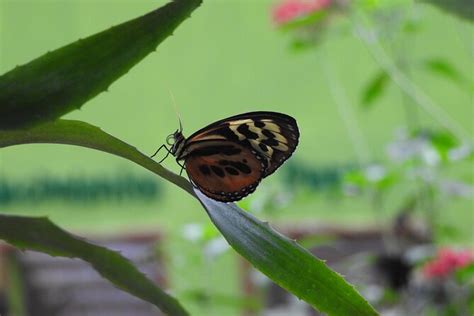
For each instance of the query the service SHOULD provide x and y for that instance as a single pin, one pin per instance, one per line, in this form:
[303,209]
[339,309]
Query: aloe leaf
[39,234]
[79,133]
[64,79]
[285,262]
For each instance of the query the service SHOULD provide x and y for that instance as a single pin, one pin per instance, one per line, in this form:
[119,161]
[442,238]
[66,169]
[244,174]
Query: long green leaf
[40,234]
[86,135]
[63,80]
[285,262]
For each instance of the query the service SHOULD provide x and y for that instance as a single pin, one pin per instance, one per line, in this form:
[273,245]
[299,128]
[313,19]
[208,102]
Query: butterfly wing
[270,135]
[224,170]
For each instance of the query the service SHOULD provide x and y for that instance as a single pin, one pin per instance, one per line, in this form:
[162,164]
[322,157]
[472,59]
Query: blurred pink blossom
[288,10]
[446,261]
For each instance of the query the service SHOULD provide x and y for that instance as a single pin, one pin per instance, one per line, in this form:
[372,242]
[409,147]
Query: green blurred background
[227,59]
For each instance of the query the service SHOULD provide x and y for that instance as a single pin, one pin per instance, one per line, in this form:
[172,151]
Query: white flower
[460,152]
[375,173]
[456,188]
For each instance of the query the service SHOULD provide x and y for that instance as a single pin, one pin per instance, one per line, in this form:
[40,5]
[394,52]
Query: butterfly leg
[158,150]
[182,167]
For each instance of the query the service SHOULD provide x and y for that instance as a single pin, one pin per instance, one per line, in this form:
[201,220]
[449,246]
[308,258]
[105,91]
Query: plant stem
[345,111]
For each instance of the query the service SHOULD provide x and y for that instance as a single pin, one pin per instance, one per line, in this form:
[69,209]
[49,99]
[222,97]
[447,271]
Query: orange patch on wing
[226,177]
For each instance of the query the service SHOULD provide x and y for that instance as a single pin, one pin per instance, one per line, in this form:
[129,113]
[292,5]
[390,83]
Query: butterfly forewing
[263,139]
[224,170]
[274,138]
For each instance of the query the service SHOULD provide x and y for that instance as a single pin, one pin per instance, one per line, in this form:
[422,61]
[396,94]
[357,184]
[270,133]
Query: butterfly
[227,159]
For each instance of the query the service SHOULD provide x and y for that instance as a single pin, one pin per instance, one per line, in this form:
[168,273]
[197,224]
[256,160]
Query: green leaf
[39,234]
[63,80]
[83,134]
[465,274]
[445,231]
[16,300]
[461,8]
[374,88]
[305,20]
[285,262]
[441,140]
[302,44]
[444,69]
[356,177]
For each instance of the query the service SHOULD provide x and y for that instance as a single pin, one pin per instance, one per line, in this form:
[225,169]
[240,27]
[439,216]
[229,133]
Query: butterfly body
[227,159]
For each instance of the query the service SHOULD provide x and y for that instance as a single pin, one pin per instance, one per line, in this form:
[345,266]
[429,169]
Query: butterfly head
[176,142]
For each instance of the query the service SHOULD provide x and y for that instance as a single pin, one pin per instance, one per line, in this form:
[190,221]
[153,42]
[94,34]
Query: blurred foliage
[417,159]
[445,70]
[319,178]
[79,189]
[16,299]
[374,88]
[465,274]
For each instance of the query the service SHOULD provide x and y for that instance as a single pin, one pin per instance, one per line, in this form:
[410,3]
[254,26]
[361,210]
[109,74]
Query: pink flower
[288,10]
[447,261]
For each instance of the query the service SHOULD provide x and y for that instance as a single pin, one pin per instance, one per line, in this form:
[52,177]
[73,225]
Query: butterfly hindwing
[224,170]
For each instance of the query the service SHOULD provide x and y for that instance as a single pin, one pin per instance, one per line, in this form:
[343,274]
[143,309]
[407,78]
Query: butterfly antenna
[176,110]
[180,125]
